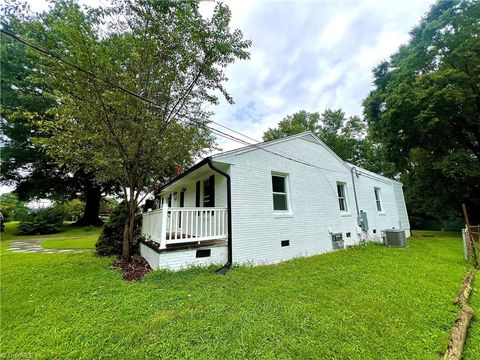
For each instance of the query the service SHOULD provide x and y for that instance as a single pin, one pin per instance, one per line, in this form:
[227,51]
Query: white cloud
[306,55]
[336,29]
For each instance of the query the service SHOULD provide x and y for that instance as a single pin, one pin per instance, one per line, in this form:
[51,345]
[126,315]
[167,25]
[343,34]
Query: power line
[138,96]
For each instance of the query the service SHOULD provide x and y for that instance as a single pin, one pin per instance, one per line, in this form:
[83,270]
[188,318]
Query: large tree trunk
[131,207]
[93,196]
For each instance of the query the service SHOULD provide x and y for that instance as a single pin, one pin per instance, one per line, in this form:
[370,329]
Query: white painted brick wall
[182,259]
[257,232]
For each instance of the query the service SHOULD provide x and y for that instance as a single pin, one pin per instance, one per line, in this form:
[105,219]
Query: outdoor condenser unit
[395,237]
[337,241]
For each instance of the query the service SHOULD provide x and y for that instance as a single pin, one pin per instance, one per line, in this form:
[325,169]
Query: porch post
[163,228]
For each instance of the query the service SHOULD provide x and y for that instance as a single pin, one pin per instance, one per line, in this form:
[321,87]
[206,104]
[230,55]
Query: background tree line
[421,120]
[70,134]
[122,92]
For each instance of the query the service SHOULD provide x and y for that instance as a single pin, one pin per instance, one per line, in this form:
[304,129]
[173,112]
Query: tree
[162,51]
[70,209]
[12,208]
[347,137]
[24,101]
[425,109]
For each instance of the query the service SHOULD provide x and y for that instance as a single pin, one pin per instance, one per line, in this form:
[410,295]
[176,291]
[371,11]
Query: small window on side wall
[378,199]
[279,186]
[342,199]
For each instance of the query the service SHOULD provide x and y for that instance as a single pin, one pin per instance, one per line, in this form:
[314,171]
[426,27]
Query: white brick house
[268,203]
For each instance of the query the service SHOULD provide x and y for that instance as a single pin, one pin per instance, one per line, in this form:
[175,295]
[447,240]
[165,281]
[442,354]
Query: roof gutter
[229,262]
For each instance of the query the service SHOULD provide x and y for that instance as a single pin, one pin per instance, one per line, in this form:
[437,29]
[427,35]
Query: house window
[342,199]
[209,192]
[378,199]
[279,186]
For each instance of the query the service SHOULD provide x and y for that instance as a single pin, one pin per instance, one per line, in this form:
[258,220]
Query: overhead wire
[216,131]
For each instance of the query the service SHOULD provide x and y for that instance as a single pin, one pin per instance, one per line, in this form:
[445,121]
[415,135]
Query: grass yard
[81,243]
[69,230]
[472,349]
[369,302]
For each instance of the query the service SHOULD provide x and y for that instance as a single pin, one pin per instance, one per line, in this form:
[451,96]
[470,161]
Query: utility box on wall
[337,241]
[362,220]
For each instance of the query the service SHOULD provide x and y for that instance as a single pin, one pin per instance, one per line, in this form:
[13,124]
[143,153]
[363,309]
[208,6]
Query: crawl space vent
[285,243]
[201,253]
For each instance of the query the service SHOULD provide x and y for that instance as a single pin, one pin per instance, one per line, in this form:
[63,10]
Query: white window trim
[378,192]
[345,212]
[282,213]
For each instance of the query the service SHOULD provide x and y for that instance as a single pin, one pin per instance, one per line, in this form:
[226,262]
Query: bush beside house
[111,239]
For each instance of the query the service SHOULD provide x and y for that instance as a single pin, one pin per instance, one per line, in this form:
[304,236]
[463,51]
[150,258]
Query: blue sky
[310,55]
[306,55]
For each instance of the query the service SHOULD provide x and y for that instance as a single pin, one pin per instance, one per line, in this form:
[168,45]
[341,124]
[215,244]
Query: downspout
[229,262]
[356,199]
[355,191]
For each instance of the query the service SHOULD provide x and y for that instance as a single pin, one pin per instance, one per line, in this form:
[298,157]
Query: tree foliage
[12,208]
[41,221]
[70,209]
[110,241]
[425,109]
[25,101]
[347,137]
[164,51]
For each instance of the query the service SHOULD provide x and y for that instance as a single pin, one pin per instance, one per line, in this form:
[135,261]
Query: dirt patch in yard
[133,270]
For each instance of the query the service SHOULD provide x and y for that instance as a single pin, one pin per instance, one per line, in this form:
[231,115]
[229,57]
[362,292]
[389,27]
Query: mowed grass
[81,243]
[368,302]
[69,230]
[472,347]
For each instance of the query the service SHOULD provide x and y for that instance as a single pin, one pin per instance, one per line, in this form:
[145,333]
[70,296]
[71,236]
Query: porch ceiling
[187,179]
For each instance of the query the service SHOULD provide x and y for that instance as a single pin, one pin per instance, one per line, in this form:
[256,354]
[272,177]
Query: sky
[305,55]
[310,55]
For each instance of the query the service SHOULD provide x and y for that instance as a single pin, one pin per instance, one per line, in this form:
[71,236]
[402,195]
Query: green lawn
[81,243]
[472,349]
[69,230]
[368,302]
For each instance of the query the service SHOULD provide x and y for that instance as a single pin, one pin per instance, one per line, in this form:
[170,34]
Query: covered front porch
[172,227]
[190,225]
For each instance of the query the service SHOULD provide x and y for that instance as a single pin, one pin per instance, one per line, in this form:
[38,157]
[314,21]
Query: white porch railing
[168,226]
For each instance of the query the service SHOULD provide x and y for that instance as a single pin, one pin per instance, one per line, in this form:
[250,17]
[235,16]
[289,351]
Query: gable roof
[307,135]
[367,173]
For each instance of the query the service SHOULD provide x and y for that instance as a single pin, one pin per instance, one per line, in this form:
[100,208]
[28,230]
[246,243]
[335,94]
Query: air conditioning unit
[395,237]
[337,241]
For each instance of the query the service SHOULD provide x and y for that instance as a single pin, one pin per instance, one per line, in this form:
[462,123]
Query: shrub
[111,238]
[42,221]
